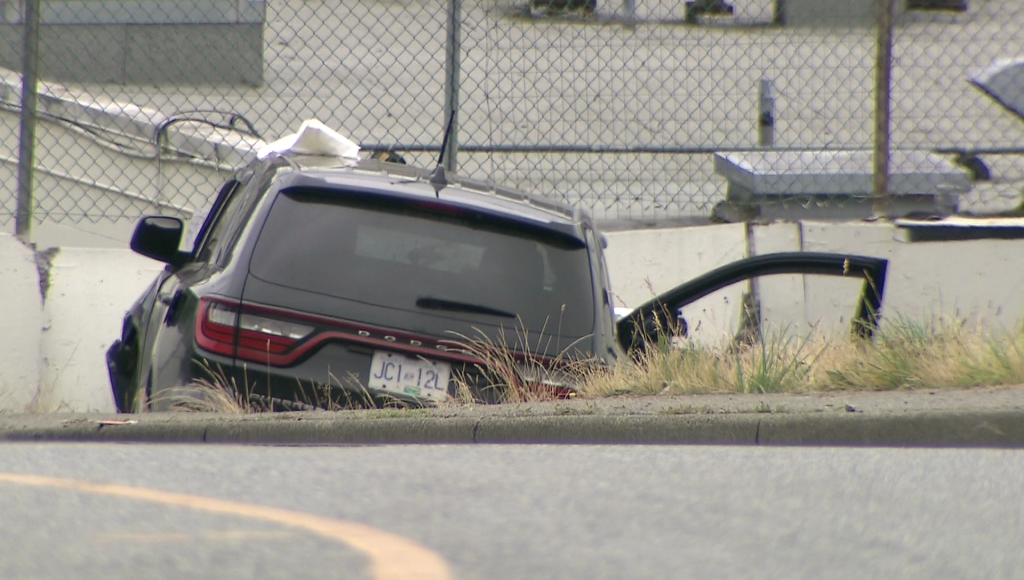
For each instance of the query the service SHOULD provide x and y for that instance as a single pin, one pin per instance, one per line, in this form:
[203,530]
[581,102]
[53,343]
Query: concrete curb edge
[1001,429]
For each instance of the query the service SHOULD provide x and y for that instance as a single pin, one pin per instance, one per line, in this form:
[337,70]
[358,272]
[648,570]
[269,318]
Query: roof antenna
[438,178]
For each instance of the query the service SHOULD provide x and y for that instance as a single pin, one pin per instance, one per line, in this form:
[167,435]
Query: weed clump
[903,355]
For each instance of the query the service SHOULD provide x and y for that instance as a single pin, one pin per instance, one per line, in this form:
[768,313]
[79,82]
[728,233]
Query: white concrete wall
[20,325]
[90,291]
[979,280]
[781,297]
[53,352]
[645,263]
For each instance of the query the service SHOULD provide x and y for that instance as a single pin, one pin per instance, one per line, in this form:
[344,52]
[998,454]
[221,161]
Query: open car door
[644,323]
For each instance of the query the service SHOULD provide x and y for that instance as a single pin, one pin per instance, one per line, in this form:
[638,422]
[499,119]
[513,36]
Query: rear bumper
[336,377]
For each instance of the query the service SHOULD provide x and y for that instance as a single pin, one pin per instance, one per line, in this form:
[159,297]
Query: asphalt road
[507,512]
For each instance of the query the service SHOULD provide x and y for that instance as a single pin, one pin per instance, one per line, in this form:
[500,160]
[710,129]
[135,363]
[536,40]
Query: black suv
[314,275]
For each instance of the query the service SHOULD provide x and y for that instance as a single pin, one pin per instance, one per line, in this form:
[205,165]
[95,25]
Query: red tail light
[281,337]
[224,327]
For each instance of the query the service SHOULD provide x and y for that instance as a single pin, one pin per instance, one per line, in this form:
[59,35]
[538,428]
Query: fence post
[883,86]
[453,51]
[27,138]
[766,114]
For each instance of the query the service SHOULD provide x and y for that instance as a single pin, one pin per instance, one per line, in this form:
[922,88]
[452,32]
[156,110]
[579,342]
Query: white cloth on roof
[313,138]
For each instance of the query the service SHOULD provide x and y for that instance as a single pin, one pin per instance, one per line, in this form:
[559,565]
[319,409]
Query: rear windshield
[411,256]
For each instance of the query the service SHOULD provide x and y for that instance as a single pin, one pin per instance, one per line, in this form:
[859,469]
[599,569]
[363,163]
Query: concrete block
[93,54]
[645,263]
[89,292]
[817,184]
[229,148]
[839,172]
[202,42]
[981,281]
[72,53]
[781,298]
[830,302]
[75,191]
[833,13]
[21,324]
[139,11]
[217,54]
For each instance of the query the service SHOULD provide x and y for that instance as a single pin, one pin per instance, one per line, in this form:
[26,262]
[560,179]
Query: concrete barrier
[90,290]
[981,281]
[645,263]
[198,42]
[21,325]
[53,348]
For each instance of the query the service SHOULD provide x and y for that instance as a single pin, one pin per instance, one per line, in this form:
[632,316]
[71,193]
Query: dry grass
[905,354]
[513,371]
[214,394]
[203,396]
[218,394]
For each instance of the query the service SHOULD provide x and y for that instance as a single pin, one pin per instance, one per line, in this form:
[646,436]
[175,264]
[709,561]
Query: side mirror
[158,237]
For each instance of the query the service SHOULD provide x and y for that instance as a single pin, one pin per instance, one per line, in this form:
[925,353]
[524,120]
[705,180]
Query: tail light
[281,337]
[226,328]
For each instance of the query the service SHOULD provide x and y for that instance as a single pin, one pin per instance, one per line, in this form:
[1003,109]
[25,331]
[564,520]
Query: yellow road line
[391,557]
[174,537]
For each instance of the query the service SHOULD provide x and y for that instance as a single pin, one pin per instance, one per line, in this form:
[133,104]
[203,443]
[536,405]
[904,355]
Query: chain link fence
[639,111]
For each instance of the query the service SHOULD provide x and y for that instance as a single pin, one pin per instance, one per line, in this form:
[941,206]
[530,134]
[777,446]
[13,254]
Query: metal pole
[27,142]
[766,114]
[453,51]
[883,86]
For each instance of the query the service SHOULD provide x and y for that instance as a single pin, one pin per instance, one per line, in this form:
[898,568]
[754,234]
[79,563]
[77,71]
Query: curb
[998,429]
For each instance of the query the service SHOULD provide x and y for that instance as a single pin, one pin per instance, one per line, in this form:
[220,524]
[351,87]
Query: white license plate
[409,376]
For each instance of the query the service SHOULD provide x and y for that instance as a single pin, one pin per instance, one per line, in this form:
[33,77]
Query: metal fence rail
[645,109]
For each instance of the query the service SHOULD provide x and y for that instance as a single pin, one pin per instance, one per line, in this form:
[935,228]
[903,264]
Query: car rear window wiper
[456,306]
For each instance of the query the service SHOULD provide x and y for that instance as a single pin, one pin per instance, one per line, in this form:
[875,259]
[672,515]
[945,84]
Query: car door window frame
[228,192]
[249,197]
[220,225]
